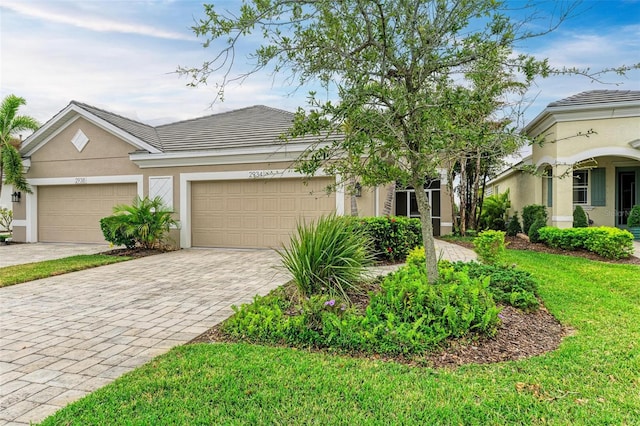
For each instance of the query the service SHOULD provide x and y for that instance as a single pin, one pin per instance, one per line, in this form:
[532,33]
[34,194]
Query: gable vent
[80,140]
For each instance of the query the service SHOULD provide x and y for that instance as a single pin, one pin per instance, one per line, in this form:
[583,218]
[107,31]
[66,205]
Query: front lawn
[593,378]
[16,274]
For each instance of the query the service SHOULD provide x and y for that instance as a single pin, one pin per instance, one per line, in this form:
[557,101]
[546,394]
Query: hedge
[612,243]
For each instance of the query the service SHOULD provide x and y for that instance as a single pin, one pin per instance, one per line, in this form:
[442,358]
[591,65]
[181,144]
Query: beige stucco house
[227,177]
[590,157]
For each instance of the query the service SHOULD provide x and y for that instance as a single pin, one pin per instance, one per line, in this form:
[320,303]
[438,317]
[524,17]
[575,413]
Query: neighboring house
[227,177]
[590,158]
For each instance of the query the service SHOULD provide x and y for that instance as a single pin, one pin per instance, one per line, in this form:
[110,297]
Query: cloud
[89,22]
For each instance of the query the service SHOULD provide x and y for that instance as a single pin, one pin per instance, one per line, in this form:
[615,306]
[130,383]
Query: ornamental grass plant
[328,256]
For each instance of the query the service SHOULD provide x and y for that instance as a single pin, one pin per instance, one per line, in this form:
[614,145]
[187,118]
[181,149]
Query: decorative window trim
[582,187]
[79,140]
[162,186]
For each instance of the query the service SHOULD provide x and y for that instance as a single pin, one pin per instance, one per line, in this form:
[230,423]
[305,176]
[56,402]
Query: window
[407,205]
[549,176]
[580,186]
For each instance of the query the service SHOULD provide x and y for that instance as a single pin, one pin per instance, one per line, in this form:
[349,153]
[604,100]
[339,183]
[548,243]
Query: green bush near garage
[392,236]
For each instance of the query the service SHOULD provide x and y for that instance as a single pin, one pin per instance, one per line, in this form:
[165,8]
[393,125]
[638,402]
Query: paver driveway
[18,254]
[65,336]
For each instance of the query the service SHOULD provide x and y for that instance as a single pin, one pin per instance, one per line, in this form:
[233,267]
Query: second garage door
[72,213]
[255,213]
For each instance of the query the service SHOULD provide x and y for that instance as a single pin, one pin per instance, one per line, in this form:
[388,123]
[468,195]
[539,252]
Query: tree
[10,125]
[395,67]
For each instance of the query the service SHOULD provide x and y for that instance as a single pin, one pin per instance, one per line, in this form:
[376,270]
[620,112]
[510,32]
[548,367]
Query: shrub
[612,243]
[6,218]
[508,285]
[113,229]
[634,217]
[580,218]
[530,214]
[494,210]
[489,246]
[410,315]
[327,257]
[513,227]
[534,235]
[392,236]
[146,221]
[406,316]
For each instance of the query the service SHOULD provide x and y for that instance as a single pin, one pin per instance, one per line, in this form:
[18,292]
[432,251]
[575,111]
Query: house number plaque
[262,174]
[81,180]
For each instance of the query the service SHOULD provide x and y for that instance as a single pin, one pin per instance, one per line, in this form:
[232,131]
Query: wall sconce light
[15,197]
[357,190]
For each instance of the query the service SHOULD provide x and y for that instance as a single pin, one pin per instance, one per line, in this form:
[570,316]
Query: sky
[121,55]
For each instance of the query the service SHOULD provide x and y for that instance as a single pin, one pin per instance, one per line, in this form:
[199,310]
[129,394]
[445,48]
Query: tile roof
[247,127]
[141,131]
[252,126]
[598,97]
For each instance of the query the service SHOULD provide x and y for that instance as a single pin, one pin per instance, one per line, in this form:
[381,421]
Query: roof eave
[53,127]
[548,116]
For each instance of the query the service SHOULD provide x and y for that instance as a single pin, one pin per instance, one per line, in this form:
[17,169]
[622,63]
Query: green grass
[592,379]
[16,274]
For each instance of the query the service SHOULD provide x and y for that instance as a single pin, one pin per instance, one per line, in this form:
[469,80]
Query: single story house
[590,157]
[227,177]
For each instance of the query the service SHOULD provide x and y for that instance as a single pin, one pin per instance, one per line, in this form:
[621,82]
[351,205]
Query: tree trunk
[473,213]
[427,232]
[463,196]
[354,200]
[388,202]
[452,197]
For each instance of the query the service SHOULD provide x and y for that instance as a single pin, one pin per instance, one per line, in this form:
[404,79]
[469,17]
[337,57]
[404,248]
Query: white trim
[19,222]
[80,140]
[562,218]
[237,155]
[447,224]
[105,125]
[168,201]
[185,192]
[552,115]
[340,194]
[31,231]
[32,199]
[376,198]
[48,138]
[608,151]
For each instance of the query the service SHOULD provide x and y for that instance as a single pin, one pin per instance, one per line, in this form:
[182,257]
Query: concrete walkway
[18,254]
[636,248]
[65,336]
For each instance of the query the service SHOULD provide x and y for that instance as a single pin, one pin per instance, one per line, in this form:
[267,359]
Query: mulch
[520,335]
[134,252]
[520,243]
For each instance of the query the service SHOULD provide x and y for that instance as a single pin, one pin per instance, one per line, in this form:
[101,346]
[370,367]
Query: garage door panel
[72,213]
[264,215]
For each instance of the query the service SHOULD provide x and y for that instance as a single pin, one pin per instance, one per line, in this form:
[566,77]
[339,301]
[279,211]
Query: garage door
[255,213]
[72,213]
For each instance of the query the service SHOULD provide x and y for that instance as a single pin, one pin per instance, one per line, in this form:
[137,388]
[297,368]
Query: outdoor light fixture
[15,197]
[357,190]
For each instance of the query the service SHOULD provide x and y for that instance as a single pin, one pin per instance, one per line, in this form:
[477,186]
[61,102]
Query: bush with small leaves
[392,236]
[530,214]
[534,235]
[580,218]
[513,227]
[489,246]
